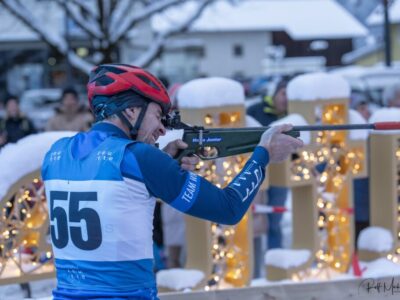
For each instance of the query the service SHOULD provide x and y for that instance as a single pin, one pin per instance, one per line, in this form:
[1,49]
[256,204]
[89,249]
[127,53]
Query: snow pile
[296,120]
[179,279]
[381,267]
[210,92]
[356,118]
[386,114]
[376,239]
[286,258]
[317,86]
[25,156]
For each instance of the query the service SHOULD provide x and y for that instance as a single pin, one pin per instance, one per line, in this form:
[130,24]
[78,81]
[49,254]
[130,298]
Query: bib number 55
[71,227]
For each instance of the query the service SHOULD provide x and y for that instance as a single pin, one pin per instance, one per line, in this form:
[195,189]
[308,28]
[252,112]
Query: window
[237,50]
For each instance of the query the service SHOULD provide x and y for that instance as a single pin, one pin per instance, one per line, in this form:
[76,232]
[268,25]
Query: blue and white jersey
[101,189]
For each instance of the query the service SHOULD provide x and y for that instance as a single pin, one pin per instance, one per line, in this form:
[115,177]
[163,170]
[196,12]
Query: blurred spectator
[391,96]
[272,108]
[15,125]
[71,115]
[359,102]
[174,236]
[259,233]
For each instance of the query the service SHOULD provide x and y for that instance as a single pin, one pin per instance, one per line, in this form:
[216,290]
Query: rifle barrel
[333,127]
[373,126]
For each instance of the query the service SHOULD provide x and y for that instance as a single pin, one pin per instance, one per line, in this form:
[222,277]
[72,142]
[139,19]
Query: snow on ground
[179,279]
[210,92]
[40,289]
[380,268]
[317,86]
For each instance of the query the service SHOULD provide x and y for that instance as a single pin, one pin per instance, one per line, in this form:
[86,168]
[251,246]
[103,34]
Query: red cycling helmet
[109,80]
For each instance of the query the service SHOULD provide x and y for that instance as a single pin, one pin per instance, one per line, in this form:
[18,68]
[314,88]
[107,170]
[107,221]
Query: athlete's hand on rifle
[279,145]
[187,162]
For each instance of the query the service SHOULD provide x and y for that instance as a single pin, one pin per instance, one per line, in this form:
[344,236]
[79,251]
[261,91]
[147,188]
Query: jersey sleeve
[189,192]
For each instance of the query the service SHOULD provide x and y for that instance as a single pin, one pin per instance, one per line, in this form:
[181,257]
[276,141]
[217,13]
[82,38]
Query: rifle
[212,143]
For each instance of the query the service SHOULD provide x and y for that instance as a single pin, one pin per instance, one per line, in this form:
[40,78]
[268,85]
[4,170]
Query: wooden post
[384,185]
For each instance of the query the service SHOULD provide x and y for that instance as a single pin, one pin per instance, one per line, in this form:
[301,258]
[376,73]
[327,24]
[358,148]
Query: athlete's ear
[132,113]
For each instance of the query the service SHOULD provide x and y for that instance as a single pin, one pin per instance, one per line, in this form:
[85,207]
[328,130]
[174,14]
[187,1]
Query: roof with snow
[301,19]
[376,17]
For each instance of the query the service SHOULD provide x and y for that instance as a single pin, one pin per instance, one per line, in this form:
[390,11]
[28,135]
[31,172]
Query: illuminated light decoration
[229,260]
[223,253]
[324,171]
[25,253]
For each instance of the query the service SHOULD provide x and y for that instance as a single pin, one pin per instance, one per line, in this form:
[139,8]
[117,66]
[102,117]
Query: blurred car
[39,105]
[369,81]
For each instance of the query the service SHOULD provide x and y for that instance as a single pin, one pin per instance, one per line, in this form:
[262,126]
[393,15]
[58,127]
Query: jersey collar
[111,129]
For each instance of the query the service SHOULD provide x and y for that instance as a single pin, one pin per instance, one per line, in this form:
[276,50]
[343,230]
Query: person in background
[359,102]
[15,125]
[260,226]
[391,96]
[273,107]
[71,115]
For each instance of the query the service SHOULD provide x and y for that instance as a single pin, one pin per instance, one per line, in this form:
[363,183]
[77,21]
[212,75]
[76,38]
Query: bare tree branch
[90,28]
[57,42]
[106,24]
[127,24]
[120,12]
[23,14]
[86,8]
[159,43]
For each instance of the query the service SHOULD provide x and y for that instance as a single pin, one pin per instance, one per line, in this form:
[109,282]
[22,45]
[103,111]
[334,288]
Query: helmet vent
[148,81]
[104,80]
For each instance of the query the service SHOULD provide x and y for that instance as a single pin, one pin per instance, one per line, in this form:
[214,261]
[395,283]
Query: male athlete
[101,187]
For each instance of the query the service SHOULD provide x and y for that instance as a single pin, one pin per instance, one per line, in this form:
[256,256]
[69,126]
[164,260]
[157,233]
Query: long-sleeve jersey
[102,187]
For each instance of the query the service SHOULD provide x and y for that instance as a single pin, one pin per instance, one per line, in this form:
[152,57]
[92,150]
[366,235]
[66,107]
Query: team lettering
[189,193]
[208,140]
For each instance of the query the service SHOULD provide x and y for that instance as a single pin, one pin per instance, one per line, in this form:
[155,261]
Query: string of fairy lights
[228,259]
[23,222]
